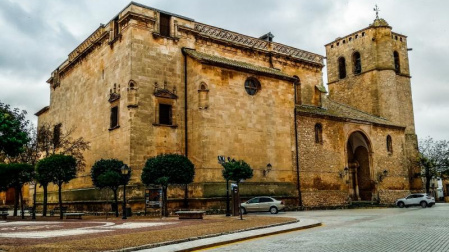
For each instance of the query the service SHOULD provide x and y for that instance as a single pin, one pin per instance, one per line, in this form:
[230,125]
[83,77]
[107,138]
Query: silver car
[417,199]
[262,204]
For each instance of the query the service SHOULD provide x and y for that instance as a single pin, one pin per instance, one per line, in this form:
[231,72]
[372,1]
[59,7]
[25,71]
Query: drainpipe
[297,148]
[185,105]
[186,150]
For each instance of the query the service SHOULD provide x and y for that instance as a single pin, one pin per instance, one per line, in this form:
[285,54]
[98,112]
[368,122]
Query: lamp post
[125,173]
[227,199]
[33,216]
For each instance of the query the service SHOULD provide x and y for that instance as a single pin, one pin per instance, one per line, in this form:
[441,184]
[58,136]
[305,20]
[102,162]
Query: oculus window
[252,86]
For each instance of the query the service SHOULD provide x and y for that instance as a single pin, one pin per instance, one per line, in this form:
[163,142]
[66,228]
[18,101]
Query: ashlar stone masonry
[152,82]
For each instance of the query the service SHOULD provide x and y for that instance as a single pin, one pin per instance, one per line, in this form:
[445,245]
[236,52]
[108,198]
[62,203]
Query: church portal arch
[358,151]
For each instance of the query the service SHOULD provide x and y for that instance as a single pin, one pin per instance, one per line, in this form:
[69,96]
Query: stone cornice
[87,44]
[370,70]
[350,120]
[133,15]
[240,40]
[43,110]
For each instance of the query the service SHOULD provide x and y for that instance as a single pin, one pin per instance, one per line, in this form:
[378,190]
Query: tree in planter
[61,169]
[237,171]
[434,159]
[165,170]
[106,173]
[52,140]
[15,176]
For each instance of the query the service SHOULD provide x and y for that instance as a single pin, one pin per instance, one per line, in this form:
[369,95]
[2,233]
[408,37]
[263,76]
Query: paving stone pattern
[394,229]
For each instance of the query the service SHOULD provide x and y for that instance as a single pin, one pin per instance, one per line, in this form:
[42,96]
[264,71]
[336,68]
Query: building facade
[152,82]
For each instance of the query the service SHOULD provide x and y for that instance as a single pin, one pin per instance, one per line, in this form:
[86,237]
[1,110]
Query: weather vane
[377,11]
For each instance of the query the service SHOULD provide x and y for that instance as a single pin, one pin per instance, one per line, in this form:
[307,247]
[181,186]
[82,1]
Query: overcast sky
[36,36]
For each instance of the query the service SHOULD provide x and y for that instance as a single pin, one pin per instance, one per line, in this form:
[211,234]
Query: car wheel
[273,210]
[401,204]
[243,210]
[423,204]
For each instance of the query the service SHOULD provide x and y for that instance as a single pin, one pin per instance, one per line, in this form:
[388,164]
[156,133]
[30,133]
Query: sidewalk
[228,238]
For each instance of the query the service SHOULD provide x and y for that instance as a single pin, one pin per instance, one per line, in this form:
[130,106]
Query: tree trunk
[44,205]
[22,214]
[165,210]
[186,196]
[116,202]
[16,200]
[428,178]
[34,201]
[60,201]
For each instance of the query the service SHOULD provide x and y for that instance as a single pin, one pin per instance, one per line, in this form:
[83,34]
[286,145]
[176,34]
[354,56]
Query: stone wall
[321,164]
[389,197]
[324,198]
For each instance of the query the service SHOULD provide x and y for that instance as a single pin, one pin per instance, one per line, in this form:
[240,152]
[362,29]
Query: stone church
[150,82]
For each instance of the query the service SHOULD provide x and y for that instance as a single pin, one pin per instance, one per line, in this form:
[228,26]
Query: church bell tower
[369,70]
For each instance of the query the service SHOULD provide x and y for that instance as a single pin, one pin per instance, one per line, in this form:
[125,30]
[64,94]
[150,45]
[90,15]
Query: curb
[162,244]
[250,237]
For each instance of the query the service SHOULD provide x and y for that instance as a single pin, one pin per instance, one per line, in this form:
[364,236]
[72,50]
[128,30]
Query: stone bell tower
[369,70]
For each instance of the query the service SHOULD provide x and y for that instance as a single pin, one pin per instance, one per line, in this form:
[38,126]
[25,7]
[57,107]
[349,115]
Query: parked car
[416,199]
[262,204]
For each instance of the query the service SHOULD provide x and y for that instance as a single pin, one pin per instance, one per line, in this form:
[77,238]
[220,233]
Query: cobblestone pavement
[390,229]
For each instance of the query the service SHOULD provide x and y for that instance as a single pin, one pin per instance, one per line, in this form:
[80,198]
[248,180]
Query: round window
[252,86]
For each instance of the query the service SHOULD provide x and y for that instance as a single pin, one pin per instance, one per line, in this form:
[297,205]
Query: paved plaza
[376,229]
[389,229]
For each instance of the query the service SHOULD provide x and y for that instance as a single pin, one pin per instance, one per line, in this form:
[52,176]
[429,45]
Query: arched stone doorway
[359,155]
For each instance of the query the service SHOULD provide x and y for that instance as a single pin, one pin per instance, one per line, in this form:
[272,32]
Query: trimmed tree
[165,170]
[106,173]
[52,140]
[61,169]
[15,176]
[44,177]
[237,171]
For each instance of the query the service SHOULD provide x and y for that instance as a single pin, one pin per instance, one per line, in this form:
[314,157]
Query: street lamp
[269,167]
[382,175]
[125,173]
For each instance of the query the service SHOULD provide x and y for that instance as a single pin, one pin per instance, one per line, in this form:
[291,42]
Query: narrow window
[389,144]
[164,25]
[397,66]
[114,117]
[318,133]
[297,84]
[165,114]
[203,95]
[57,135]
[357,63]
[342,67]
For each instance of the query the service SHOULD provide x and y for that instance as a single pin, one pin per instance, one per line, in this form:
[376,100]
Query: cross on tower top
[376,9]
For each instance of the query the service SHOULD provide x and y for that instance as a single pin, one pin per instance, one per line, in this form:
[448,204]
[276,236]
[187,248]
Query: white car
[262,204]
[417,199]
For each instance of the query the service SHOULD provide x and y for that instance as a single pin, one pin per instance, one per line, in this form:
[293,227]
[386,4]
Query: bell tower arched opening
[358,151]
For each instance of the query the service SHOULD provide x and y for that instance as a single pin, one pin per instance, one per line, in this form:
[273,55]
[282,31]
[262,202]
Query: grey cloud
[37,36]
